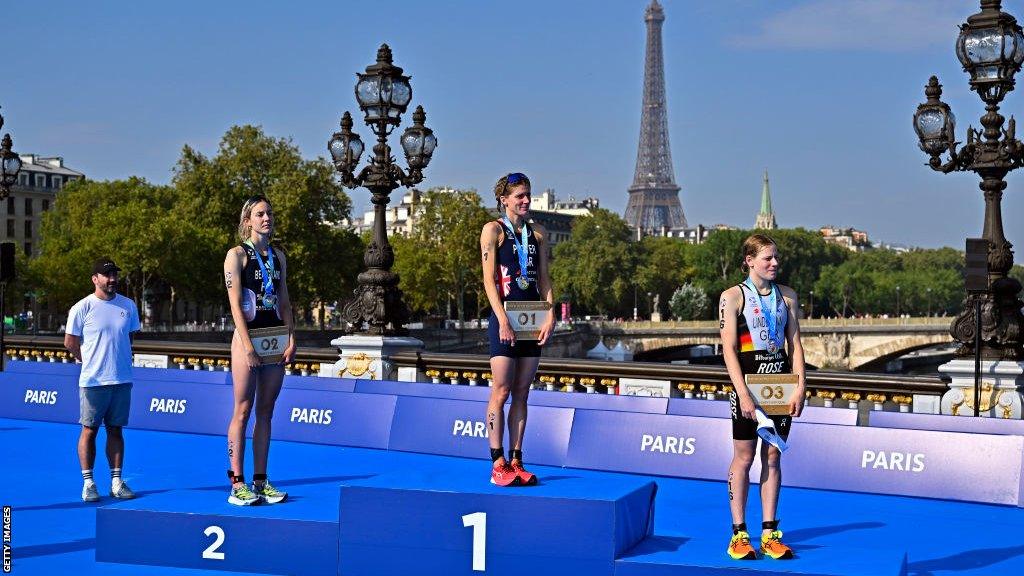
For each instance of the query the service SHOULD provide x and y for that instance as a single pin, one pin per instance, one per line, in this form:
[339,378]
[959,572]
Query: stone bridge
[847,344]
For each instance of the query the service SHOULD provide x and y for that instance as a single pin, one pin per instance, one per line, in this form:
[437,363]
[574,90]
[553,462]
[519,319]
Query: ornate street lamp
[383,94]
[991,48]
[10,164]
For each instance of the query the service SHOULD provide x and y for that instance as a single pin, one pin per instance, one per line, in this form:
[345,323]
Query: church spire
[766,217]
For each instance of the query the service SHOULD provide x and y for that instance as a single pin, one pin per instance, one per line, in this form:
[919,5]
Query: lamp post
[810,314]
[383,93]
[929,291]
[991,48]
[897,302]
[10,164]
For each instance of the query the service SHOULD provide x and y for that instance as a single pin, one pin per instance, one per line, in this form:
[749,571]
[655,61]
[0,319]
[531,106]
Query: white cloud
[876,25]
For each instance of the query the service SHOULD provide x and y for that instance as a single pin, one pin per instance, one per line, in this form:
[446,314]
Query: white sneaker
[89,492]
[119,489]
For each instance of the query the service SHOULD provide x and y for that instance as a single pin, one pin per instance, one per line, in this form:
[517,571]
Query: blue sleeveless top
[508,267]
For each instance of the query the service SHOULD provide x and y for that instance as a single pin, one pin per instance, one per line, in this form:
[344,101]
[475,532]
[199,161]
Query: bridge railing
[847,389]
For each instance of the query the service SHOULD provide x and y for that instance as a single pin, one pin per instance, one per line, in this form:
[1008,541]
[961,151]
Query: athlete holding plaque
[758,322]
[515,276]
[255,276]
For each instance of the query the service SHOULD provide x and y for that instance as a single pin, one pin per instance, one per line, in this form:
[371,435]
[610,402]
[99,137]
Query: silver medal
[772,346]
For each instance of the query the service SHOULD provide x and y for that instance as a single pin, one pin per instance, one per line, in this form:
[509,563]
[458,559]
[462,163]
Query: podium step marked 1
[567,525]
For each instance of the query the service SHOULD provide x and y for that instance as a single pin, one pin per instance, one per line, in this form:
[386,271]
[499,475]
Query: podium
[565,525]
[199,529]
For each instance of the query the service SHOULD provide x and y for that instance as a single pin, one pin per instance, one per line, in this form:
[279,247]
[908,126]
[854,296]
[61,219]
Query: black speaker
[6,261]
[976,270]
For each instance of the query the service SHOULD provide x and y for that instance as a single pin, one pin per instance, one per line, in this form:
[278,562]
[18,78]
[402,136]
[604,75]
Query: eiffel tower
[654,196]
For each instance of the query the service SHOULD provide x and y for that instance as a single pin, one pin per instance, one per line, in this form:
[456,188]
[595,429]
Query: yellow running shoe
[740,548]
[772,546]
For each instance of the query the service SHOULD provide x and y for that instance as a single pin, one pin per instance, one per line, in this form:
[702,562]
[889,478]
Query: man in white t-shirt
[98,334]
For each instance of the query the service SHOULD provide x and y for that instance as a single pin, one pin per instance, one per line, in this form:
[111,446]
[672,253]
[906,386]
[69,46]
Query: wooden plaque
[526,316]
[269,343]
[772,392]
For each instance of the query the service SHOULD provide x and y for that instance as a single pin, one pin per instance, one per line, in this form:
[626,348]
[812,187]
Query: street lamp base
[379,307]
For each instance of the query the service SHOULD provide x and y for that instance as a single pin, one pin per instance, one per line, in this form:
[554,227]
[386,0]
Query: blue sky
[819,92]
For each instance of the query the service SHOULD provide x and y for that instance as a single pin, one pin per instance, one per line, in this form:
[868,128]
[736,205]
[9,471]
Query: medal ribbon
[268,278]
[520,246]
[770,320]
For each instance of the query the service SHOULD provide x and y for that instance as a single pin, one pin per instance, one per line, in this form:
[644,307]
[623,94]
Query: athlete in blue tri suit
[515,268]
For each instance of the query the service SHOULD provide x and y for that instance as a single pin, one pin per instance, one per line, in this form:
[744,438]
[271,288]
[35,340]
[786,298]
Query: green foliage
[928,281]
[662,266]
[131,221]
[440,262]
[322,259]
[175,237]
[595,266]
[689,302]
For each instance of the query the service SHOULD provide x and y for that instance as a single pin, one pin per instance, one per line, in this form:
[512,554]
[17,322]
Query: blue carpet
[53,531]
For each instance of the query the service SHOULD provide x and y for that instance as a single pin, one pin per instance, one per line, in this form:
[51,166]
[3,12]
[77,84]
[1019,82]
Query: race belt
[772,392]
[526,316]
[269,343]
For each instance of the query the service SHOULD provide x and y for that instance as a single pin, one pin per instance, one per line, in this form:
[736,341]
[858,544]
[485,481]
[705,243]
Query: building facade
[39,181]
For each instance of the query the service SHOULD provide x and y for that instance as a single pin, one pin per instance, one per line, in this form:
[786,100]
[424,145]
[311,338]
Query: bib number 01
[478,520]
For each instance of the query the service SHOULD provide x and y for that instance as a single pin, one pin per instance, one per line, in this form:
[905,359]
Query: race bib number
[526,317]
[772,392]
[269,343]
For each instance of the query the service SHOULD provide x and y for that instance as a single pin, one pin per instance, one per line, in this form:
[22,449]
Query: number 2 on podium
[211,552]
[478,520]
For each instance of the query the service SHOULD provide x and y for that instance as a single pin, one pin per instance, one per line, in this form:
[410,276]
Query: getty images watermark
[7,539]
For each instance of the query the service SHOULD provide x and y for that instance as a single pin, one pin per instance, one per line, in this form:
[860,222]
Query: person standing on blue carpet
[758,322]
[255,274]
[515,276]
[98,335]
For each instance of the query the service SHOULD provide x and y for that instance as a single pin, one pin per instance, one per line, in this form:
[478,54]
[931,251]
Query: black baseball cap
[104,266]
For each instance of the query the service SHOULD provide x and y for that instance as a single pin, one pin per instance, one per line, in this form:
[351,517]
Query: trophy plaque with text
[526,316]
[269,343]
[772,392]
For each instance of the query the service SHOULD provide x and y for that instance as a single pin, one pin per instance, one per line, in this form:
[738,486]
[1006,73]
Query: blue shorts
[521,349]
[108,404]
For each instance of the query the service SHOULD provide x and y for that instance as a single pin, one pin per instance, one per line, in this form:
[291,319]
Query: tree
[596,263]
[689,302]
[440,261]
[662,265]
[131,221]
[322,258]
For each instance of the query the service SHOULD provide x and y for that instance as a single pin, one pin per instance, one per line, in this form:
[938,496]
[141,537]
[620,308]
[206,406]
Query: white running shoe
[90,493]
[243,496]
[119,489]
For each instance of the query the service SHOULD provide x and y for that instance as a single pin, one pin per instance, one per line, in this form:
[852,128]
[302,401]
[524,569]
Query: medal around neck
[521,244]
[771,315]
[269,298]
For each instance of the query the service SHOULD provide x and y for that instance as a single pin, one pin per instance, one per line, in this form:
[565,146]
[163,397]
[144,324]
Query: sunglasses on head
[515,178]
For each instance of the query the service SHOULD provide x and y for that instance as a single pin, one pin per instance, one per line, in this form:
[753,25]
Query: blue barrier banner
[565,526]
[940,422]
[611,402]
[951,465]
[140,374]
[459,428]
[320,383]
[721,409]
[48,396]
[683,446]
[198,529]
[338,418]
[42,368]
[424,389]
[181,406]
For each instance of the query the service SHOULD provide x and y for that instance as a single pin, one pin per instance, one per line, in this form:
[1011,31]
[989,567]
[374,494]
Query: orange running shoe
[526,478]
[772,546]
[503,475]
[740,548]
